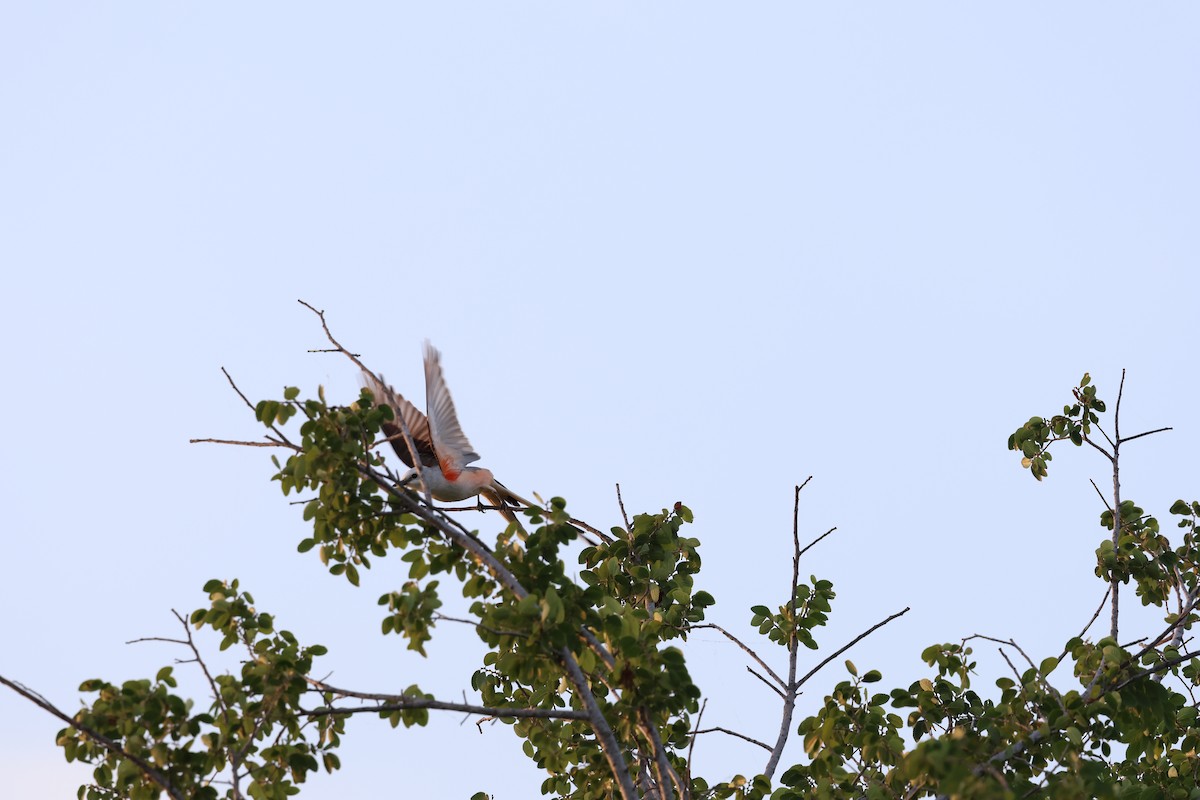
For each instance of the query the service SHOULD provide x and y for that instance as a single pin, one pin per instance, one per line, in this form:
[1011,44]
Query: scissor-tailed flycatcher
[441,445]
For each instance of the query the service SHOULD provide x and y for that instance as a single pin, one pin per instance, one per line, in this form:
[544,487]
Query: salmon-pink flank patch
[450,473]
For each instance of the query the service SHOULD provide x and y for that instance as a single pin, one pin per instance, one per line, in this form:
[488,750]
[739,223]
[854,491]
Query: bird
[443,450]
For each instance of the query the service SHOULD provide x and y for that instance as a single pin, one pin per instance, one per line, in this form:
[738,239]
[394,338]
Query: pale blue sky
[702,249]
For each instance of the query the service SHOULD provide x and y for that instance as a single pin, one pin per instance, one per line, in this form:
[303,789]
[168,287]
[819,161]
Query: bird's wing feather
[418,425]
[453,450]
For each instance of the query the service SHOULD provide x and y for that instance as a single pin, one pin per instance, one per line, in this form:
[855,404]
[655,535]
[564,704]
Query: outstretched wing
[418,425]
[449,442]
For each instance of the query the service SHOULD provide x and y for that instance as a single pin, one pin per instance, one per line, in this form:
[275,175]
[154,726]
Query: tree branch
[161,780]
[692,744]
[789,698]
[769,685]
[268,443]
[1118,521]
[744,647]
[416,703]
[1146,433]
[741,736]
[850,644]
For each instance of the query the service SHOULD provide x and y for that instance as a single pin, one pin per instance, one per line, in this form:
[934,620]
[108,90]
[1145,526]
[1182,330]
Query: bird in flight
[442,448]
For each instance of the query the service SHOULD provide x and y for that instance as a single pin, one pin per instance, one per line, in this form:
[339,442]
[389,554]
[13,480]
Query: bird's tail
[505,500]
[510,498]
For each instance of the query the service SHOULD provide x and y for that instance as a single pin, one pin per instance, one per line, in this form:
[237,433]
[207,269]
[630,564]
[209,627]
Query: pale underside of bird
[442,449]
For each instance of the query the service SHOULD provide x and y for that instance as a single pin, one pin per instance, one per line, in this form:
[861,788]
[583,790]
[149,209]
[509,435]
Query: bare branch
[728,732]
[240,394]
[156,639]
[744,647]
[604,537]
[1011,666]
[692,744]
[1104,500]
[1095,616]
[789,699]
[1146,433]
[402,702]
[770,685]
[418,703]
[282,441]
[621,503]
[1013,644]
[240,443]
[847,646]
[438,616]
[817,540]
[337,345]
[1117,410]
[1107,438]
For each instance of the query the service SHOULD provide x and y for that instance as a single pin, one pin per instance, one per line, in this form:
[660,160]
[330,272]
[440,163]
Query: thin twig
[692,744]
[1104,500]
[1011,666]
[741,736]
[240,394]
[321,315]
[624,516]
[238,443]
[1092,621]
[817,540]
[1146,433]
[156,639]
[1103,452]
[769,685]
[437,616]
[421,703]
[850,644]
[1013,644]
[744,647]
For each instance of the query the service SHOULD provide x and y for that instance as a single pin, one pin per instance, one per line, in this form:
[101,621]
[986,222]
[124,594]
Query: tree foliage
[591,674]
